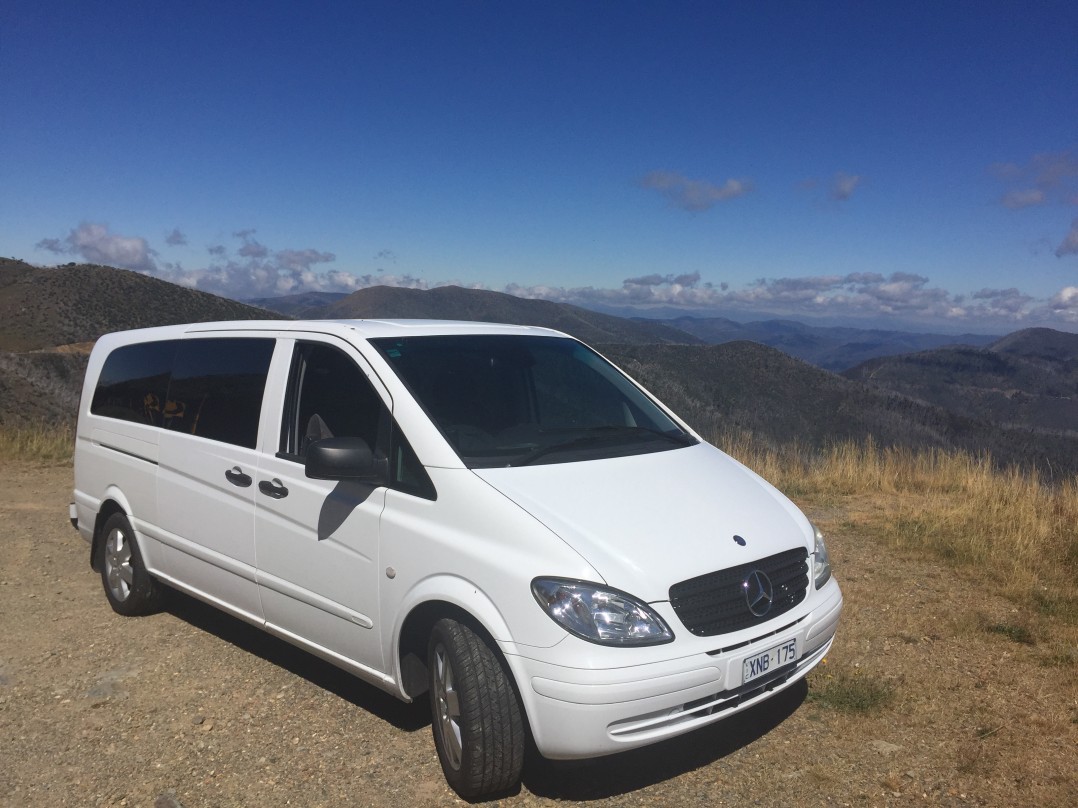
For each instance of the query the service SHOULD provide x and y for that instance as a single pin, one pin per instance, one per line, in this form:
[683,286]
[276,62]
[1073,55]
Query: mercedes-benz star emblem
[758,593]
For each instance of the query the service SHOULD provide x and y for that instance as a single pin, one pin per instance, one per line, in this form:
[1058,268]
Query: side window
[329,396]
[216,388]
[134,382]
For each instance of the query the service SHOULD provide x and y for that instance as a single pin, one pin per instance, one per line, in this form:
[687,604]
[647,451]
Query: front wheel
[130,588]
[476,720]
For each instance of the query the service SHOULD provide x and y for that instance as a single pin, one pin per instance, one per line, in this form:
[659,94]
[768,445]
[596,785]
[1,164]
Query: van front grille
[715,603]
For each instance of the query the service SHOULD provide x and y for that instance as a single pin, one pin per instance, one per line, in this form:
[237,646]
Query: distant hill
[1028,379]
[1039,343]
[836,348]
[455,303]
[301,305]
[747,387]
[43,310]
[41,307]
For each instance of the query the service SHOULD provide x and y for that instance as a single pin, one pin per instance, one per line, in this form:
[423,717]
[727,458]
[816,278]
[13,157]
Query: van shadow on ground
[597,778]
[406,717]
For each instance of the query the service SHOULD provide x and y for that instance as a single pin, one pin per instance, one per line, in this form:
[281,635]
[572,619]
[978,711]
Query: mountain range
[457,303]
[1026,380]
[1014,397]
[831,348]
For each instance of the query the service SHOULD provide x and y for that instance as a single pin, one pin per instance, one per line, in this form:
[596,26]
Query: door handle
[273,489]
[236,476]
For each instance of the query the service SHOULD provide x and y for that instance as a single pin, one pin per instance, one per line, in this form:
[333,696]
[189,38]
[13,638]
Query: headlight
[821,565]
[600,615]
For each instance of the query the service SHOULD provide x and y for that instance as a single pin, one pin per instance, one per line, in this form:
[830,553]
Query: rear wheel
[129,587]
[477,724]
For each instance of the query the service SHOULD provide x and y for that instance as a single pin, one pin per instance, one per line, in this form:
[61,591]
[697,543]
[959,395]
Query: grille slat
[715,603]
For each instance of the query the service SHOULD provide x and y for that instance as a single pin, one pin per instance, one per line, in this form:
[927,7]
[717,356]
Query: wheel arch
[435,599]
[113,503]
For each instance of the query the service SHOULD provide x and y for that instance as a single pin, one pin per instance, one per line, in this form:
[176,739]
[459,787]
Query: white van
[493,514]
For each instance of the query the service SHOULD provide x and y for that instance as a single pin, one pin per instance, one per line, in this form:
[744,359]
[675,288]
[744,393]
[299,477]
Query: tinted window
[134,382]
[329,397]
[515,400]
[216,388]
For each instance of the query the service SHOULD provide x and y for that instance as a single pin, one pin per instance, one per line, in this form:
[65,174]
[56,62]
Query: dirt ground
[192,708]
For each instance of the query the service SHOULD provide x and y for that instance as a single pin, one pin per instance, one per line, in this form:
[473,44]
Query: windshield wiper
[601,435]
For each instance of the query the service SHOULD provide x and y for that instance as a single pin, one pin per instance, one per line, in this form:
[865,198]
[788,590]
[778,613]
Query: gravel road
[192,708]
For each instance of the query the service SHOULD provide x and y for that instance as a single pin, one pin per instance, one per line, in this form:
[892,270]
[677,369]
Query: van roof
[367,329]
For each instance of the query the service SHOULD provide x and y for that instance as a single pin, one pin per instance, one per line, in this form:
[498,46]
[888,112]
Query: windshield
[507,400]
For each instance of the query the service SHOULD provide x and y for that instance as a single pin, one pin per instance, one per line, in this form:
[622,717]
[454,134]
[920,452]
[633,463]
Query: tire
[130,589]
[475,717]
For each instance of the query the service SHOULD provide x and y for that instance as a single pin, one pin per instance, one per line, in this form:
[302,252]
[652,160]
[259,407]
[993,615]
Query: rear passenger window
[134,382]
[216,389]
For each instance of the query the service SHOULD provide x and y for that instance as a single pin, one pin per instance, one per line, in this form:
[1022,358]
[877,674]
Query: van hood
[646,522]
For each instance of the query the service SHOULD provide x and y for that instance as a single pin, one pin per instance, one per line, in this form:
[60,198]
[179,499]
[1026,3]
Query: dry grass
[43,442]
[1011,524]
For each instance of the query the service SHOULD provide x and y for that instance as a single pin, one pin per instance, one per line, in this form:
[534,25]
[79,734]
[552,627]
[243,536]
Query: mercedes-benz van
[493,515]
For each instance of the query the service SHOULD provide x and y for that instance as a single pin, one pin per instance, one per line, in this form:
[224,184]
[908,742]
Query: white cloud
[175,238]
[1049,178]
[1069,245]
[1054,169]
[303,260]
[1005,302]
[843,185]
[1024,198]
[250,270]
[901,297]
[1065,304]
[255,271]
[693,195]
[251,248]
[95,244]
[1046,178]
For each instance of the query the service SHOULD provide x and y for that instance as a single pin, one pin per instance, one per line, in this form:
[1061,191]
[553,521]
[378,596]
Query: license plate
[769,660]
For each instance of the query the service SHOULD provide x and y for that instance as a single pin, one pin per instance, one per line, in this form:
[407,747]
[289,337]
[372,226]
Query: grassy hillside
[42,307]
[41,386]
[455,303]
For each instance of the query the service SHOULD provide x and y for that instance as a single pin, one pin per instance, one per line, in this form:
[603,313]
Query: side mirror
[344,459]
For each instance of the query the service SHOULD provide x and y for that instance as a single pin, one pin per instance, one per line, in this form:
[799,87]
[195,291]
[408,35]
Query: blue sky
[896,165]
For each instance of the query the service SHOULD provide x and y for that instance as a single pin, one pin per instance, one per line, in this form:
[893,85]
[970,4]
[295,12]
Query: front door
[317,540]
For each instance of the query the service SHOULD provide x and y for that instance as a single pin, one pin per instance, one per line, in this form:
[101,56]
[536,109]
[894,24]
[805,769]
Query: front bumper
[579,713]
